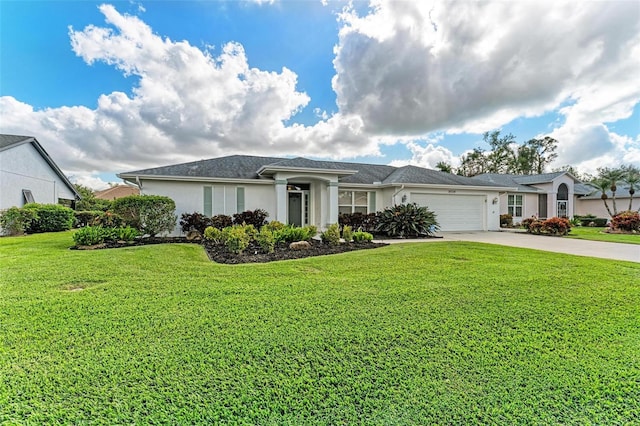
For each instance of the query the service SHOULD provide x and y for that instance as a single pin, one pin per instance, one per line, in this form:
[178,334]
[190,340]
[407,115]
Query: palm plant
[602,184]
[613,176]
[632,178]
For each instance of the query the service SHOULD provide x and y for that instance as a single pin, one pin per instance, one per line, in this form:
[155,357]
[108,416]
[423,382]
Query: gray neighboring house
[29,174]
[542,195]
[592,202]
[301,191]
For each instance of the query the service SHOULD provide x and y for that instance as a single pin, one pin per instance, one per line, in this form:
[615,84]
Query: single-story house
[117,191]
[542,195]
[28,174]
[592,202]
[301,191]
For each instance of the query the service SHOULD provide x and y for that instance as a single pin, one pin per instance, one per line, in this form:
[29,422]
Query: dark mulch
[253,254]
[219,253]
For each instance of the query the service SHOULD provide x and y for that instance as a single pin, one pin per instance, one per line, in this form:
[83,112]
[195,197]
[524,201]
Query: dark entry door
[542,206]
[295,208]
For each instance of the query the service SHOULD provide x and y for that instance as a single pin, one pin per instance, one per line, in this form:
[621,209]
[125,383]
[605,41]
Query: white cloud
[428,156]
[403,71]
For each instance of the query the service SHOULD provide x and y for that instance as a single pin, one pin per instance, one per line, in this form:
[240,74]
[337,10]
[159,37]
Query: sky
[109,87]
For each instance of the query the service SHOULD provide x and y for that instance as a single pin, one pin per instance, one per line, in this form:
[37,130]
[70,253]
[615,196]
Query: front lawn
[598,234]
[447,333]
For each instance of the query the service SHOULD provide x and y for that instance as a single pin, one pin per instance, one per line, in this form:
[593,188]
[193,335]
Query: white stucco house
[301,191]
[542,195]
[29,174]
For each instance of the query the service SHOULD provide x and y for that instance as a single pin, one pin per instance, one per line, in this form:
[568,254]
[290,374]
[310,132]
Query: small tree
[632,178]
[151,214]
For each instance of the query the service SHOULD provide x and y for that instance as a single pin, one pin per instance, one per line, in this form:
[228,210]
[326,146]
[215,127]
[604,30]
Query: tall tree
[543,152]
[444,167]
[613,176]
[602,184]
[474,163]
[632,178]
[501,157]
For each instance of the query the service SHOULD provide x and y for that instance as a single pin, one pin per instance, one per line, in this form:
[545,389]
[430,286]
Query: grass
[598,234]
[446,333]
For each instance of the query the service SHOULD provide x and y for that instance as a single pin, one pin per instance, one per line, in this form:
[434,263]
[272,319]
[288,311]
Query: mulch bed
[253,254]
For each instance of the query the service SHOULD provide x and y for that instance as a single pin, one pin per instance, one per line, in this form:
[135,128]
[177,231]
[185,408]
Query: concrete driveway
[617,251]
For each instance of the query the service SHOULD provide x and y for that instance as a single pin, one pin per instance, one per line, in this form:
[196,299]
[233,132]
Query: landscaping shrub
[87,217]
[274,225]
[151,214]
[15,221]
[194,222]
[551,226]
[556,226]
[110,220]
[292,233]
[347,233]
[407,220]
[627,221]
[213,234]
[237,237]
[257,218]
[331,235]
[366,222]
[49,218]
[266,240]
[92,235]
[506,220]
[221,221]
[361,236]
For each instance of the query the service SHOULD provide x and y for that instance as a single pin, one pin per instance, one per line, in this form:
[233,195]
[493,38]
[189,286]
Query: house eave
[135,178]
[269,170]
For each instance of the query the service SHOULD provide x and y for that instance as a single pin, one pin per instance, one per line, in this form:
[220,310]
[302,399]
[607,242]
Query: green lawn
[446,333]
[597,234]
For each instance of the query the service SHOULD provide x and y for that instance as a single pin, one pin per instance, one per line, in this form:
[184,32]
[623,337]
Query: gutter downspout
[139,183]
[393,197]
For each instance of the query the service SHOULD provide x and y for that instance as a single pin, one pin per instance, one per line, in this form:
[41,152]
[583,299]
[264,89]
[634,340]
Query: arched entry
[562,200]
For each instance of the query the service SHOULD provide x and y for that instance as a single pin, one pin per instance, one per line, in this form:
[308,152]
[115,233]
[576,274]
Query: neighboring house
[28,174]
[543,195]
[117,191]
[592,203]
[301,191]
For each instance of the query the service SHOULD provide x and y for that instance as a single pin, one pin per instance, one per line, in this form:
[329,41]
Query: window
[354,201]
[28,196]
[514,205]
[239,199]
[208,201]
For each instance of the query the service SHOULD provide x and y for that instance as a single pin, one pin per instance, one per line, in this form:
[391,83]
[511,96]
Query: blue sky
[111,87]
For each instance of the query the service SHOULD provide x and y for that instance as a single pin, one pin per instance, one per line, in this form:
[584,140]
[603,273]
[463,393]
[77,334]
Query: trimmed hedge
[150,214]
[49,218]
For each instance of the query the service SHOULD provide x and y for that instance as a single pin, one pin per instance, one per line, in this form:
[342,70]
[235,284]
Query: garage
[455,212]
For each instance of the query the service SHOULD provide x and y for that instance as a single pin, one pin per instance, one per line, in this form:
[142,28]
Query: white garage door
[454,212]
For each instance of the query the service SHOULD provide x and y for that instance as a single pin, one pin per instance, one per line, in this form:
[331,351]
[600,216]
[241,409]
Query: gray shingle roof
[247,167]
[622,191]
[533,179]
[506,180]
[7,141]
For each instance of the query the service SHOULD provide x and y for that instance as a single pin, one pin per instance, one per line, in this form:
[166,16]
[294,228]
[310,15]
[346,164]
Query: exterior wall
[596,206]
[22,167]
[529,205]
[189,197]
[552,195]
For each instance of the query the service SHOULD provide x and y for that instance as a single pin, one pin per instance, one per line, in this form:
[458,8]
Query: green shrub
[331,235]
[361,236]
[312,231]
[266,240]
[49,218]
[292,233]
[213,234]
[366,222]
[15,221]
[556,226]
[274,225]
[87,217]
[92,235]
[407,220]
[110,220]
[150,214]
[347,233]
[89,236]
[237,238]
[627,221]
[506,220]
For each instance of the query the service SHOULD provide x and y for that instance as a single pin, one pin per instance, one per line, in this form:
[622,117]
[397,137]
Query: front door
[562,209]
[295,208]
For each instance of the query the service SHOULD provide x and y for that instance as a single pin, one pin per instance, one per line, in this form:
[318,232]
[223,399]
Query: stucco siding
[22,167]
[596,206]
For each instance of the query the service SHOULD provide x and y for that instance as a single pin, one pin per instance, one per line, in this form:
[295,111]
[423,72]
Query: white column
[281,200]
[332,192]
